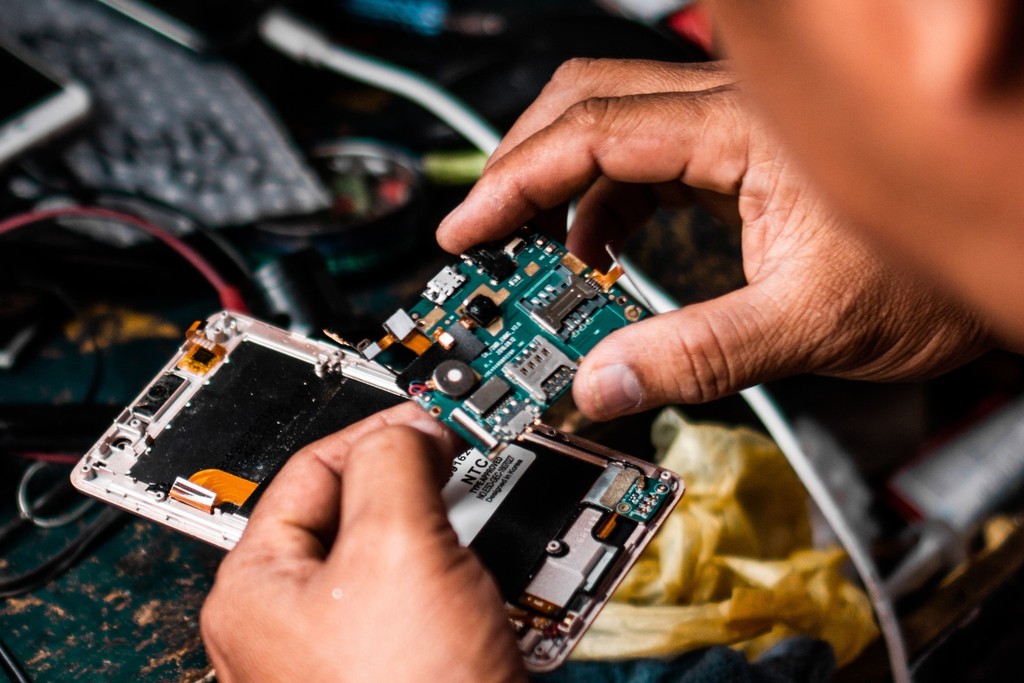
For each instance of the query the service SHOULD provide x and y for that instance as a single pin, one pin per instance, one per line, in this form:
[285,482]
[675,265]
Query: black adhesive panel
[544,501]
[258,409]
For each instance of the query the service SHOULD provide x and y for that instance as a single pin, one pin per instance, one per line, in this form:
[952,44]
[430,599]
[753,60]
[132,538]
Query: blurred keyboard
[168,124]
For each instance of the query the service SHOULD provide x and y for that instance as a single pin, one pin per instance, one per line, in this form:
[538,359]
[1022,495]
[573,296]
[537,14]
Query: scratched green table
[127,612]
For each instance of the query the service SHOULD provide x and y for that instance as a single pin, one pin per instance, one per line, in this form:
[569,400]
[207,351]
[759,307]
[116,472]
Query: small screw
[661,488]
[623,507]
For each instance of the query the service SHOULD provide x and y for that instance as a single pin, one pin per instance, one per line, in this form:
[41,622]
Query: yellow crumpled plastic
[733,563]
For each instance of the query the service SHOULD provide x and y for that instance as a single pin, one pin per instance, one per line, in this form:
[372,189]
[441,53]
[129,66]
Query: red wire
[417,389]
[58,458]
[230,297]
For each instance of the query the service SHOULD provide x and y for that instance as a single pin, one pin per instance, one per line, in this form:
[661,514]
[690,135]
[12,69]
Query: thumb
[696,354]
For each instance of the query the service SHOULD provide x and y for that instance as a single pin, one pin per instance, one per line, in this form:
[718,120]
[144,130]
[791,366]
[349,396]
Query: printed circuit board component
[496,339]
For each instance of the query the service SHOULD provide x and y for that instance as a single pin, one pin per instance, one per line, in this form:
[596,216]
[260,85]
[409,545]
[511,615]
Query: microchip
[199,360]
[486,397]
[482,309]
[495,263]
[203,354]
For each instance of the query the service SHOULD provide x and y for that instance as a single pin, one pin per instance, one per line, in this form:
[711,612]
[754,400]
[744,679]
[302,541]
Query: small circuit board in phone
[496,339]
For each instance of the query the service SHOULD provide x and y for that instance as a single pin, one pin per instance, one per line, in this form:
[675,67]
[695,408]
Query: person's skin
[908,117]
[819,299]
[349,571]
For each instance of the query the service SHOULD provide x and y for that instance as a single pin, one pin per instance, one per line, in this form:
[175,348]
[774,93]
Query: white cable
[766,409]
[771,417]
[303,43]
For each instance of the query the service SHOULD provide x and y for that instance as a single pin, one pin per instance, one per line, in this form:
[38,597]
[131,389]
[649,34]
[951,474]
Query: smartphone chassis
[557,520]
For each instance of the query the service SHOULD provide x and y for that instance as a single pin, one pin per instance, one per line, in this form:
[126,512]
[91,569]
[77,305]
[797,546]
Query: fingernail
[428,427]
[616,389]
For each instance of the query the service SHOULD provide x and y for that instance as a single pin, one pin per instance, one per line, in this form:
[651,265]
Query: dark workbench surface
[127,612]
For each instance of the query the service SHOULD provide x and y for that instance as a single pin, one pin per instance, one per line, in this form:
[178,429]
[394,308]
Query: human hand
[632,135]
[349,571]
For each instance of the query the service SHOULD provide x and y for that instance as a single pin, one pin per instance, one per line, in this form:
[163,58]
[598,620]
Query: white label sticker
[478,486]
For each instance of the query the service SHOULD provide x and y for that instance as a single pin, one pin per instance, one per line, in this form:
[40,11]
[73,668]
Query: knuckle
[589,113]
[571,72]
[390,439]
[705,373]
[242,560]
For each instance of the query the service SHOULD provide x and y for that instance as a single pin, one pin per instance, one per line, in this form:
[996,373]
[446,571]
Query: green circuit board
[496,339]
[643,500]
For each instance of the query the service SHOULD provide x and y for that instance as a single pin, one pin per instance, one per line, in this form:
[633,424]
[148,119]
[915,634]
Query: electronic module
[496,339]
[558,521]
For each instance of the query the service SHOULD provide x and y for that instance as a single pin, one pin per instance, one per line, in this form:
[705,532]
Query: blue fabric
[794,660]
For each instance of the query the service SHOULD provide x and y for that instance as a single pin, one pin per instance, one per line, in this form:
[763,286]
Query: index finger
[700,139]
[581,79]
